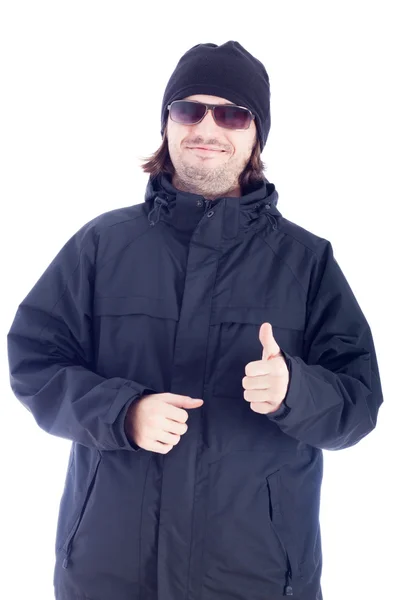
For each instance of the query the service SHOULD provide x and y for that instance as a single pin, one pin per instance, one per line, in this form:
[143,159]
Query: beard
[210,182]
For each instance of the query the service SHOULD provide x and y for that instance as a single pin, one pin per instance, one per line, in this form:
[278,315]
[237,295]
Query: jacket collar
[184,209]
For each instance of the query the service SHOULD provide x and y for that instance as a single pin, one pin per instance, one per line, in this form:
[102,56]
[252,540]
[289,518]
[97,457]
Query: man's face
[209,173]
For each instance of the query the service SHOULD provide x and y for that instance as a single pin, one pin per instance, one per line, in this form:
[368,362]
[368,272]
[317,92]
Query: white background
[81,90]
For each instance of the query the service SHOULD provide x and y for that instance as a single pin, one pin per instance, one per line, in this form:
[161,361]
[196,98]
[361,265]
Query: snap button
[210,213]
[199,202]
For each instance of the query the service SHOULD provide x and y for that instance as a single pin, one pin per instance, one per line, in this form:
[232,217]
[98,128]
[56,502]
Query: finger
[263,408]
[168,438]
[273,366]
[174,427]
[182,401]
[262,382]
[180,415]
[161,448]
[270,346]
[258,367]
[258,396]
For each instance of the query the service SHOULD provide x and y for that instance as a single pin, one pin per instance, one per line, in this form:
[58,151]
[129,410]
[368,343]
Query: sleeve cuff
[127,395]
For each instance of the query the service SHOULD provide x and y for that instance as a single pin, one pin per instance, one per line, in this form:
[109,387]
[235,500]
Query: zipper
[288,589]
[67,547]
[275,512]
[68,543]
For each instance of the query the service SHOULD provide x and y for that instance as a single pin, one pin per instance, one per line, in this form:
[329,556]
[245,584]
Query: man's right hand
[157,421]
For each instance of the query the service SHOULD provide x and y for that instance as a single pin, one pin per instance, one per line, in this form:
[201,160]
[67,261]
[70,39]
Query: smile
[205,152]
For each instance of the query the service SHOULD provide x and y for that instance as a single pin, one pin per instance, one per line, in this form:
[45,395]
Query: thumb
[184,401]
[270,346]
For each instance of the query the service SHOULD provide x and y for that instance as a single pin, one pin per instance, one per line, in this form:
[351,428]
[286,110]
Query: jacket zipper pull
[66,559]
[288,590]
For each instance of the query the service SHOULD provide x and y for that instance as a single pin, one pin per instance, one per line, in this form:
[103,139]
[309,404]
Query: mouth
[203,150]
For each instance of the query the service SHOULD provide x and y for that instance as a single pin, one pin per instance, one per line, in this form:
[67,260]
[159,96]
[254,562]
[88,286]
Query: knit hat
[228,71]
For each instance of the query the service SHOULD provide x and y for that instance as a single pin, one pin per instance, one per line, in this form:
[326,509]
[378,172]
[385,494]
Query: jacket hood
[163,198]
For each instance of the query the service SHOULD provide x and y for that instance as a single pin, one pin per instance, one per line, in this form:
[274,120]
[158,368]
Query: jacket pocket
[241,544]
[131,305]
[235,330]
[257,315]
[279,526]
[67,545]
[134,338]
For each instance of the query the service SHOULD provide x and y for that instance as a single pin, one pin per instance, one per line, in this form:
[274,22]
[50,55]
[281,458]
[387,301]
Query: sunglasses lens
[232,117]
[186,112]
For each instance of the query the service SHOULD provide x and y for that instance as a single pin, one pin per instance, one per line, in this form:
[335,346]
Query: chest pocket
[127,305]
[134,337]
[236,333]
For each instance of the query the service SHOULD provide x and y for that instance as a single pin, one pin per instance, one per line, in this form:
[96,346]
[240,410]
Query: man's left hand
[266,380]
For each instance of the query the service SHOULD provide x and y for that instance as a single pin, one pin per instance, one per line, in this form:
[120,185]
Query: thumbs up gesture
[266,380]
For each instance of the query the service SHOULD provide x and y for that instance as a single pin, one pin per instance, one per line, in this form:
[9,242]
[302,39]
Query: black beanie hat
[228,71]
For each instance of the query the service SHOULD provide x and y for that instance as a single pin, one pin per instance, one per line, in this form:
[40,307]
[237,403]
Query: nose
[206,127]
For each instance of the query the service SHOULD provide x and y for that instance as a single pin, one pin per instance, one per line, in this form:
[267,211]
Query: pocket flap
[128,305]
[293,319]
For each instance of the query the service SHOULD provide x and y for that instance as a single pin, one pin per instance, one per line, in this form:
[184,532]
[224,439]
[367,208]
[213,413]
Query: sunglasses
[229,116]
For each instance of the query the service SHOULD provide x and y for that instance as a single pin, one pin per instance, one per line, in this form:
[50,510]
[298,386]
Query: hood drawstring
[162,202]
[271,218]
[158,203]
[267,206]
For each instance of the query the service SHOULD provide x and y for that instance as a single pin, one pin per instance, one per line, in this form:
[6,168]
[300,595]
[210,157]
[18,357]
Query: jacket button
[210,214]
[199,202]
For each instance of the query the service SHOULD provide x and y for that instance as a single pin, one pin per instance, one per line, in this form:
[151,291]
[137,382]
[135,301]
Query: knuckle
[153,412]
[151,422]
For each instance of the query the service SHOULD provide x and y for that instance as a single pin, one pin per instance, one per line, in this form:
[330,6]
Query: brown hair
[160,162]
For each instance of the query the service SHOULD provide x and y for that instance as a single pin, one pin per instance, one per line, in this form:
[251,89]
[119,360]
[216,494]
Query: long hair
[160,162]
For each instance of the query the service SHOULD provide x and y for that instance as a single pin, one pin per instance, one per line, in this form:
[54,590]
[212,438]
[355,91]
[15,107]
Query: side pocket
[278,523]
[67,546]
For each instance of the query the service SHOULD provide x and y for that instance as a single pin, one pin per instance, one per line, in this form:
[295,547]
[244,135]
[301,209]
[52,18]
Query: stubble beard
[206,181]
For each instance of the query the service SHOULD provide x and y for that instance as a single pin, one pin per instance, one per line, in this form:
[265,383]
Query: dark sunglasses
[230,116]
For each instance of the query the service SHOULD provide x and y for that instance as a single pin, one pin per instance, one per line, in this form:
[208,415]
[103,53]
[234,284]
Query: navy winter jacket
[168,296]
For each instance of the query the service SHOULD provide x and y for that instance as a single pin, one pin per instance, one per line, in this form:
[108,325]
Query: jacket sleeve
[51,357]
[334,393]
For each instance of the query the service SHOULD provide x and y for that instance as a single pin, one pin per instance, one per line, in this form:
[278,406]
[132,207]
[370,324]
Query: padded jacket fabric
[168,295]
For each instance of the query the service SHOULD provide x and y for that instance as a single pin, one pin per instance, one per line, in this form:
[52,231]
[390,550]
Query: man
[200,351]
